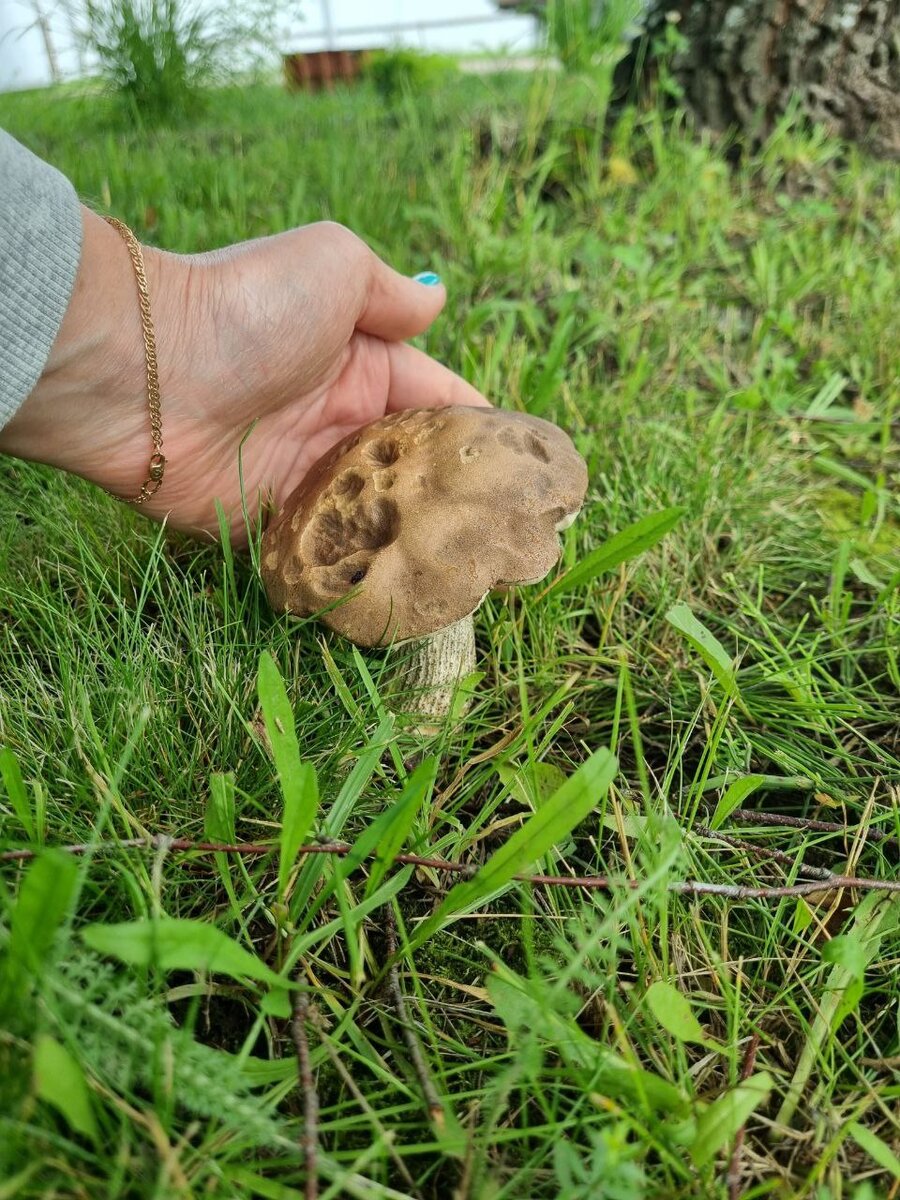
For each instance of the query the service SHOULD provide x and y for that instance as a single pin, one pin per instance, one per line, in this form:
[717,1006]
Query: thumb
[397,307]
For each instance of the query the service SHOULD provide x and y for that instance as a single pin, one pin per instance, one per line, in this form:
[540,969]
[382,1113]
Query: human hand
[302,333]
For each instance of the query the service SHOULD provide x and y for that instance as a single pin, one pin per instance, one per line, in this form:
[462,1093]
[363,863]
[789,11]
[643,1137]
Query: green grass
[717,336]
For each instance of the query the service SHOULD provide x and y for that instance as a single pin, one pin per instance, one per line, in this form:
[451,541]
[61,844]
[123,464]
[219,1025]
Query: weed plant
[719,333]
[585,34]
[159,57]
[395,73]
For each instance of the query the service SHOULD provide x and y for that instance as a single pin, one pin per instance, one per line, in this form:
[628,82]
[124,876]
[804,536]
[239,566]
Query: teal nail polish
[428,278]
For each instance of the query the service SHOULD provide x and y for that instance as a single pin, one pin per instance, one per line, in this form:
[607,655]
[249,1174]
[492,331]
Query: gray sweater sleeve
[40,248]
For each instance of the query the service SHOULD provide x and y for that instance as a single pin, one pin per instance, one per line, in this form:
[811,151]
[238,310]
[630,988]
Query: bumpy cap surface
[418,516]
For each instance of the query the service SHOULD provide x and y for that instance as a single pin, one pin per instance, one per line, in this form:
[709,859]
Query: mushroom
[401,530]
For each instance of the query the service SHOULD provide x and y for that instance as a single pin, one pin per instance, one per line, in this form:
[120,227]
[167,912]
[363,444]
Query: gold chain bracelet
[157,466]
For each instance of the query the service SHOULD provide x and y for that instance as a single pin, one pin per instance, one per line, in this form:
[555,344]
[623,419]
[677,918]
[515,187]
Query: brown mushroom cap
[420,515]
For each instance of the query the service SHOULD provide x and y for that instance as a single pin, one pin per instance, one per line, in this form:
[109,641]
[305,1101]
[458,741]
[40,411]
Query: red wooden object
[321,69]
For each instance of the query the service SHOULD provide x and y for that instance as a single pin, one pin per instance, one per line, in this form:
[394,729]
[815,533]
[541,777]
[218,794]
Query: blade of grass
[734,797]
[709,648]
[299,786]
[874,913]
[15,790]
[45,900]
[333,824]
[632,541]
[554,821]
[59,1081]
[727,1114]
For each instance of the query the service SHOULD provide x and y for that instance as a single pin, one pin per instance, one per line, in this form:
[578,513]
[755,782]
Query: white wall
[23,57]
[489,29]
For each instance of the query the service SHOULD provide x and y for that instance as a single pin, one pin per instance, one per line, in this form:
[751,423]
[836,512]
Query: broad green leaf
[299,786]
[44,901]
[277,1003]
[727,1114]
[734,797]
[218,820]
[825,397]
[553,822]
[251,1184]
[15,790]
[850,998]
[60,1082]
[526,1008]
[635,256]
[630,825]
[852,954]
[706,644]
[850,951]
[876,1149]
[631,542]
[218,825]
[841,471]
[530,784]
[300,806]
[261,1072]
[862,572]
[803,915]
[177,944]
[673,1012]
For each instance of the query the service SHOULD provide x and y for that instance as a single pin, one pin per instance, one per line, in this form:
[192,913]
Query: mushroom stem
[432,668]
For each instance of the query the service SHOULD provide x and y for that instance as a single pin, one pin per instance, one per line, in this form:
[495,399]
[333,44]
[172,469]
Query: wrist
[95,379]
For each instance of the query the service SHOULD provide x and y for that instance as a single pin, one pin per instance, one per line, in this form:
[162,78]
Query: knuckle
[342,237]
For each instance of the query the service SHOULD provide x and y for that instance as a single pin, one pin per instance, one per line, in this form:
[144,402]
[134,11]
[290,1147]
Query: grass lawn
[720,334]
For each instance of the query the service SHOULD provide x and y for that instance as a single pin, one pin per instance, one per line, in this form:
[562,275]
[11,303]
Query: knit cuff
[40,248]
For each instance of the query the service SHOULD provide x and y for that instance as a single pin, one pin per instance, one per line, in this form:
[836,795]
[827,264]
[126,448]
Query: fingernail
[428,278]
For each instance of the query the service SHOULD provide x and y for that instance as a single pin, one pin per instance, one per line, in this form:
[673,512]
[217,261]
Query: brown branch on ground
[733,1179]
[429,1091]
[685,887]
[763,852]
[751,817]
[309,1143]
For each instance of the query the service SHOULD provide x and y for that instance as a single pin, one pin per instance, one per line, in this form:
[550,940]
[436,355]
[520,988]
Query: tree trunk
[741,61]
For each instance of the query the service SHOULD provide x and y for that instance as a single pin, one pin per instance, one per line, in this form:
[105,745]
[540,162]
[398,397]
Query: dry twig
[309,1143]
[733,1178]
[809,824]
[763,852]
[684,887]
[429,1091]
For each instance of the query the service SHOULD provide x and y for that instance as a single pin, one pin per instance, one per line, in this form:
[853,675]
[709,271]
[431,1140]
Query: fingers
[396,307]
[340,269]
[417,381]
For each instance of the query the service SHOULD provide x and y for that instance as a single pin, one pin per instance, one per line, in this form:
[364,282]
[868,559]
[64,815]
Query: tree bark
[742,62]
